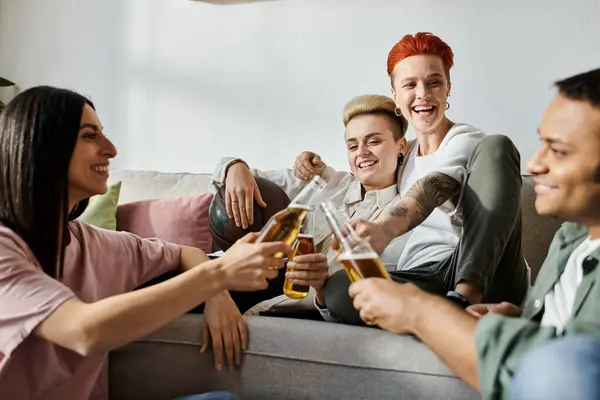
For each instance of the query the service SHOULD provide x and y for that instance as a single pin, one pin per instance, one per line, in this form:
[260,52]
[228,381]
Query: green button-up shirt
[503,342]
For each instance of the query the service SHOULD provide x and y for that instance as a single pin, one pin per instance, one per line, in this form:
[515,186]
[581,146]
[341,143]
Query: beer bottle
[304,244]
[285,225]
[356,255]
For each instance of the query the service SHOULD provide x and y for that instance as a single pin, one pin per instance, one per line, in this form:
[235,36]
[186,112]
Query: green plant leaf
[5,82]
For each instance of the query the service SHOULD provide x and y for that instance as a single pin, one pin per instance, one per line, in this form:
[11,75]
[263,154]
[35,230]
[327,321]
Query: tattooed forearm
[432,191]
[424,196]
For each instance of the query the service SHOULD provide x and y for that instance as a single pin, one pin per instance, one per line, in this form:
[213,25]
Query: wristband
[458,299]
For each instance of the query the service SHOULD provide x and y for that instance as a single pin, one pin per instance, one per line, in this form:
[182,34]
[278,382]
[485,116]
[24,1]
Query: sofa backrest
[146,185]
[538,231]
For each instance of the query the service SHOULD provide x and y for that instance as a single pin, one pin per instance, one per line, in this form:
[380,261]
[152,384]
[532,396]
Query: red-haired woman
[460,207]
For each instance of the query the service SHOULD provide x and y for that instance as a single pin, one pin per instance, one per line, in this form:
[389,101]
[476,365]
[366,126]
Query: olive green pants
[488,253]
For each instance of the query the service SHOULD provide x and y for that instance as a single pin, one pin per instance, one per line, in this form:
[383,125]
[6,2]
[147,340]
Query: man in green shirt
[487,344]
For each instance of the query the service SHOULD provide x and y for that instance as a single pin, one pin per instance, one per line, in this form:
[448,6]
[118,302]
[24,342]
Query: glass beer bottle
[285,225]
[356,255]
[304,244]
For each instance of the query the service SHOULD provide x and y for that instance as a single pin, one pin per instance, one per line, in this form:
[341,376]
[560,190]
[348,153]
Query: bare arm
[406,309]
[412,209]
[424,196]
[115,321]
[191,257]
[450,333]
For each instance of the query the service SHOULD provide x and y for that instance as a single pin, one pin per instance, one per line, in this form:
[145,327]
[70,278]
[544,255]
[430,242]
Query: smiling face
[88,169]
[566,168]
[372,151]
[420,88]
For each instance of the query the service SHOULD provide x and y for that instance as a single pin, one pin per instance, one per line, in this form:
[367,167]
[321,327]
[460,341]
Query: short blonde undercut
[376,104]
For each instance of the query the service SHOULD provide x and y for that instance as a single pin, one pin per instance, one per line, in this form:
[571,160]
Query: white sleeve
[283,177]
[453,158]
[219,174]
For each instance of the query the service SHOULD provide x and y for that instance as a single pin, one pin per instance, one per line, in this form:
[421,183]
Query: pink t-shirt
[98,264]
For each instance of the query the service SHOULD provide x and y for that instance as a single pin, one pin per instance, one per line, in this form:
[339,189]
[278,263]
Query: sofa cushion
[181,220]
[287,359]
[102,209]
[145,185]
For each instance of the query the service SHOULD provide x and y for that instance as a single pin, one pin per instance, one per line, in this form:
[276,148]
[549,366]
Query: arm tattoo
[427,194]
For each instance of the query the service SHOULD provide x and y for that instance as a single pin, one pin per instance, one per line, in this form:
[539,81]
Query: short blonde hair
[376,104]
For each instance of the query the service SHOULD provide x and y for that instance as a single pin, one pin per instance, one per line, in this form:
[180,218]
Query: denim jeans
[210,396]
[565,368]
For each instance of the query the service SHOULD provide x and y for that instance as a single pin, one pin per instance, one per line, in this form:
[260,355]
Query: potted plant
[4,83]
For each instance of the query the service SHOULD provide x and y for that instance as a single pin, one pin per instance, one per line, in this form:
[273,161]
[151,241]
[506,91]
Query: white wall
[178,83]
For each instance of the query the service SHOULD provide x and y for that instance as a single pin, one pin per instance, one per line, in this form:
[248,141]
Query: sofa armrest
[286,359]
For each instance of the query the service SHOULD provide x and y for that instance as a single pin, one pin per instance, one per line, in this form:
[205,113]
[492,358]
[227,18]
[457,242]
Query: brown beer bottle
[285,225]
[303,245]
[356,255]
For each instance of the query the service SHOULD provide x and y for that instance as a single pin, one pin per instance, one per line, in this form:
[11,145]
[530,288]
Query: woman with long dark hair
[66,288]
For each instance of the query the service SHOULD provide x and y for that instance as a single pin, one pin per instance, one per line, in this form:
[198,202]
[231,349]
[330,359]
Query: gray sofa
[291,358]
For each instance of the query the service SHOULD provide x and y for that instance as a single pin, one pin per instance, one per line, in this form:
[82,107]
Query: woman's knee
[495,153]
[497,146]
[563,368]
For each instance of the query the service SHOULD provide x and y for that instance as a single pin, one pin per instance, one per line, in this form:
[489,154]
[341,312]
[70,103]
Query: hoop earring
[447,105]
[397,112]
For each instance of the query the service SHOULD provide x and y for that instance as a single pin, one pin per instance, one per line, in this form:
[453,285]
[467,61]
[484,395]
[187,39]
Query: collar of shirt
[382,196]
[570,233]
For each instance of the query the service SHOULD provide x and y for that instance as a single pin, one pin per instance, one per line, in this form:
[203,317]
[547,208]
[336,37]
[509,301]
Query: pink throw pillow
[181,220]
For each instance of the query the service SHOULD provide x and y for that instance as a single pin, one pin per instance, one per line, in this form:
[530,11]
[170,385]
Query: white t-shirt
[437,237]
[559,302]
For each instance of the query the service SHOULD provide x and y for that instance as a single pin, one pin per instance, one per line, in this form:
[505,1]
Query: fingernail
[219,367]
